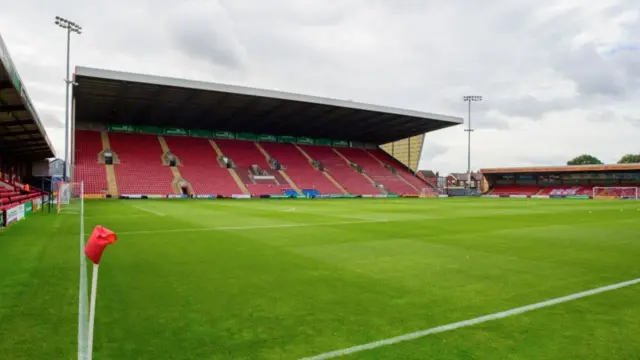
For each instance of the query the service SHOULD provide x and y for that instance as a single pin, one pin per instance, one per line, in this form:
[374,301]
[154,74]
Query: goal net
[615,193]
[68,196]
[430,192]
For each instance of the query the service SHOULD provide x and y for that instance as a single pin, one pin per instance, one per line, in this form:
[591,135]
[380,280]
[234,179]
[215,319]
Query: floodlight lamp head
[472,98]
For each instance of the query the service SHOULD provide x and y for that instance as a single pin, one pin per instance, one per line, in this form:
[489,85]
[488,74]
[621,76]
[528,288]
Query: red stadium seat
[87,168]
[299,169]
[350,179]
[402,171]
[246,154]
[140,170]
[380,174]
[200,166]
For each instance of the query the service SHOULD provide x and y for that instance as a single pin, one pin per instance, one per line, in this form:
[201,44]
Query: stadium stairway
[325,173]
[178,180]
[88,147]
[245,155]
[286,177]
[371,188]
[140,170]
[112,183]
[299,168]
[199,166]
[232,172]
[164,146]
[380,174]
[402,171]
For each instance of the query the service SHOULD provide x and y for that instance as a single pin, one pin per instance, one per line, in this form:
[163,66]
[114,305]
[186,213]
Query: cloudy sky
[559,77]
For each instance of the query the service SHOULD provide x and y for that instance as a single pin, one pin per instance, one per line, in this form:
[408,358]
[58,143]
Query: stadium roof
[22,136]
[124,98]
[561,169]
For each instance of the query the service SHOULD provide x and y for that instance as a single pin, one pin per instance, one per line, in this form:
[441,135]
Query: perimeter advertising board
[240,196]
[95,196]
[14,214]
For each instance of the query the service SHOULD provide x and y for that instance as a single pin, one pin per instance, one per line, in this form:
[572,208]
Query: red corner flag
[100,238]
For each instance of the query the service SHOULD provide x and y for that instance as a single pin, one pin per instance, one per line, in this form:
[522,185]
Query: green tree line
[587,159]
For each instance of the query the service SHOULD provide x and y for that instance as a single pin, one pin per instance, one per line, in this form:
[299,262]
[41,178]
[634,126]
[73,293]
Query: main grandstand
[147,136]
[23,142]
[620,181]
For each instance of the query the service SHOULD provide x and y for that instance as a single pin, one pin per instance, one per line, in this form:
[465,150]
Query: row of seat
[140,169]
[88,145]
[7,194]
[9,202]
[561,190]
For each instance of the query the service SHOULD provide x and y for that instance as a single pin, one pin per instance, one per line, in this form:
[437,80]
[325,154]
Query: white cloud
[558,78]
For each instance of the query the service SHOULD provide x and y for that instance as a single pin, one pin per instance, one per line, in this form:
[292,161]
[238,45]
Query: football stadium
[255,224]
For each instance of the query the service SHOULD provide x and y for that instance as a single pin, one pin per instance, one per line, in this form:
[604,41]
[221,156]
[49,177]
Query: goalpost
[68,195]
[615,192]
[430,192]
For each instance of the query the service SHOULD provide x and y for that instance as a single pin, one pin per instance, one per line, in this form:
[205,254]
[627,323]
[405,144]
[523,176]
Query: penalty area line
[470,322]
[231,228]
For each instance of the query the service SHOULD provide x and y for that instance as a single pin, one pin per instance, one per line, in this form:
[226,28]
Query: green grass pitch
[286,279]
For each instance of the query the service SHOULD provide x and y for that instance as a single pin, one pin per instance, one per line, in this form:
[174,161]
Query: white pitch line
[223,228]
[470,322]
[148,210]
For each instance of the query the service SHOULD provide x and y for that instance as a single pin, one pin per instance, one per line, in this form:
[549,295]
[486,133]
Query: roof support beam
[11,145]
[16,123]
[19,133]
[25,150]
[12,108]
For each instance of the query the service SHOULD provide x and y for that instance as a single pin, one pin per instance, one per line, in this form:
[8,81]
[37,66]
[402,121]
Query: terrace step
[325,173]
[282,172]
[112,184]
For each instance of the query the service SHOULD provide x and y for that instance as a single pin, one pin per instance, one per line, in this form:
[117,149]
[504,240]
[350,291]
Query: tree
[585,159]
[630,159]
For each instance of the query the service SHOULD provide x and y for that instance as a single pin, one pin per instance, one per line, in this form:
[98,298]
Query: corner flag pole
[100,238]
[92,310]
